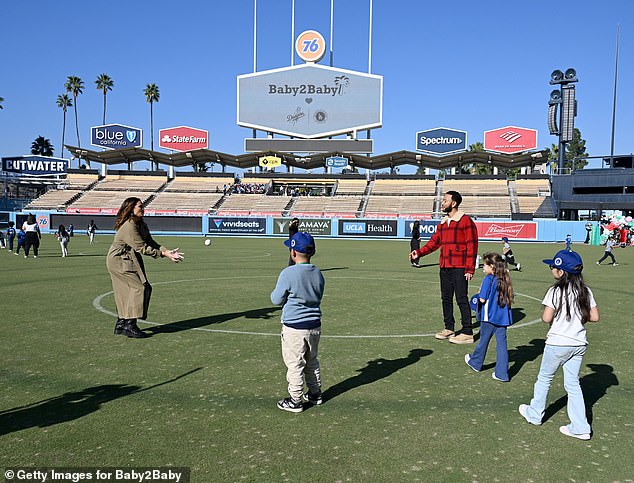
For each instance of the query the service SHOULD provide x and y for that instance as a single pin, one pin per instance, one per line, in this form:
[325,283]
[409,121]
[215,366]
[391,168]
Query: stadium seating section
[303,196]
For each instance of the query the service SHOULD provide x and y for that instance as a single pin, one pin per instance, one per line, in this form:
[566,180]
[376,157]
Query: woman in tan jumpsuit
[125,264]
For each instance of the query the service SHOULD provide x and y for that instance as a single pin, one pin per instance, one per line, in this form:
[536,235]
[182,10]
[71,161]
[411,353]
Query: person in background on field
[33,236]
[63,237]
[457,238]
[21,240]
[507,255]
[91,229]
[568,242]
[588,232]
[293,228]
[125,265]
[496,297]
[414,243]
[299,291]
[11,235]
[2,240]
[568,305]
[610,243]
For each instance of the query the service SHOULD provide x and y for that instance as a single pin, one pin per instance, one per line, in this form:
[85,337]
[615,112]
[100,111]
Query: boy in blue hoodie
[299,290]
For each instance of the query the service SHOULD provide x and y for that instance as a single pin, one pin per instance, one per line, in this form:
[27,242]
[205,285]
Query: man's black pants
[452,282]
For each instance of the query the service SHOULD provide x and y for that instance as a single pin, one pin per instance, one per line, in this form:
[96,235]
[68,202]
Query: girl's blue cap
[474,300]
[566,260]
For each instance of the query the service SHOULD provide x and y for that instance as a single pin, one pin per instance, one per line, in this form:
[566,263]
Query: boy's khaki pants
[299,351]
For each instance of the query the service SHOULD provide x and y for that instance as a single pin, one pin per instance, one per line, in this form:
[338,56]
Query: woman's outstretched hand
[174,255]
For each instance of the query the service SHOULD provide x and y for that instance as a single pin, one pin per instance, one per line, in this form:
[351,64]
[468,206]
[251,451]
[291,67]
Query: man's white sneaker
[566,431]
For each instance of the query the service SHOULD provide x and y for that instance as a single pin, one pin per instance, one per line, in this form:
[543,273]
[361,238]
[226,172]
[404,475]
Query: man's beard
[448,209]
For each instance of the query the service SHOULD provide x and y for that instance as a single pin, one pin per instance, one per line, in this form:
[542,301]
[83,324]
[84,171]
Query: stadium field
[201,392]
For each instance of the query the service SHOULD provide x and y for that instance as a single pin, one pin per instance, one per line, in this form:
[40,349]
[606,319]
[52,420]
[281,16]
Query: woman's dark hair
[30,219]
[571,283]
[505,287]
[416,224]
[126,211]
[61,229]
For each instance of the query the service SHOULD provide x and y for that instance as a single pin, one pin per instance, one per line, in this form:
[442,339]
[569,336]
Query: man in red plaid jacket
[457,238]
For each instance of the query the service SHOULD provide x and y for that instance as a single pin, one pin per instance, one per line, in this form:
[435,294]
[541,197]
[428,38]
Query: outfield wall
[540,230]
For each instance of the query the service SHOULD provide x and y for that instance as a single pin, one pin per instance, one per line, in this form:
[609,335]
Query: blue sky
[462,64]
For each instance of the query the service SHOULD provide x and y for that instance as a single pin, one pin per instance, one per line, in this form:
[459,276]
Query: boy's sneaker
[519,267]
[287,404]
[467,358]
[316,398]
[598,263]
[444,334]
[566,431]
[615,264]
[497,378]
[461,339]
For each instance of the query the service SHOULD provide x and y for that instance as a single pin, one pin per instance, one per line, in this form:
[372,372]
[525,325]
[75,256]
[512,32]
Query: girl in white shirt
[568,305]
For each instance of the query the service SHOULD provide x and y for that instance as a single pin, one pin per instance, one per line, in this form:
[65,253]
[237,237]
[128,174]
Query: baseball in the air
[207,242]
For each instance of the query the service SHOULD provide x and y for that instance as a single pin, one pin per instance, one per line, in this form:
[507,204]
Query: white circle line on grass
[97,305]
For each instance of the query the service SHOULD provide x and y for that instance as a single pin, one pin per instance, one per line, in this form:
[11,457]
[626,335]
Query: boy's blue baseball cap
[566,260]
[473,301]
[302,242]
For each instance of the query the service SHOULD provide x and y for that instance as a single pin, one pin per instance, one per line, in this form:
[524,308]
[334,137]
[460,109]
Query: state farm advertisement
[183,138]
[526,230]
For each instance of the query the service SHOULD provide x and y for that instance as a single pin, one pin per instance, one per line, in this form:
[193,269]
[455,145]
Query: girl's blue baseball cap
[505,239]
[566,260]
[302,242]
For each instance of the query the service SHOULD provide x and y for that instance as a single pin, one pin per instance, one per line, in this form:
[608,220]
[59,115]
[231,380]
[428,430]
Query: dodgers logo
[131,135]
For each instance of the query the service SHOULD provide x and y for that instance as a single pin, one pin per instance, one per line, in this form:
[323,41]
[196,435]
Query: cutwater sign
[336,162]
[116,136]
[441,140]
[34,165]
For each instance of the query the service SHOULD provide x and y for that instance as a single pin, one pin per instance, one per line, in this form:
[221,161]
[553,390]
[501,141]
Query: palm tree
[64,102]
[75,86]
[104,84]
[152,95]
[42,146]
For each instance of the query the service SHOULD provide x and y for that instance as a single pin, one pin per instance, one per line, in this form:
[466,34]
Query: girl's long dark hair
[505,286]
[572,284]
[126,211]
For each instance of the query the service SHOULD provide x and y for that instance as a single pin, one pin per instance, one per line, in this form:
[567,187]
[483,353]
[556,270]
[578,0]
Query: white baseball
[207,242]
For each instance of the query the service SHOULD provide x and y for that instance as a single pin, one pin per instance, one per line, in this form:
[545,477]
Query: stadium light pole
[562,100]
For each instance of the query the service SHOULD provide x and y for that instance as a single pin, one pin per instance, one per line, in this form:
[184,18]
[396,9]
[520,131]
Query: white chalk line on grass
[97,305]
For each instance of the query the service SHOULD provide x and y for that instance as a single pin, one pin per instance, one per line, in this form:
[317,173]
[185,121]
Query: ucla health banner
[34,165]
[368,228]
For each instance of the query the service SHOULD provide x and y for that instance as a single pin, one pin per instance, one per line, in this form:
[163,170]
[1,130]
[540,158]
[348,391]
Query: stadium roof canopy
[312,161]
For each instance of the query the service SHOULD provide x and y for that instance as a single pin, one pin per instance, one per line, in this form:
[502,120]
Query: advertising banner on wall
[337,162]
[314,226]
[237,226]
[510,139]
[526,230]
[310,101]
[441,140]
[36,165]
[270,162]
[116,136]
[427,228]
[183,138]
[368,228]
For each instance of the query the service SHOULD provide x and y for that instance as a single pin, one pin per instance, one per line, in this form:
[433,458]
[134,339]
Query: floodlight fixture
[555,97]
[571,75]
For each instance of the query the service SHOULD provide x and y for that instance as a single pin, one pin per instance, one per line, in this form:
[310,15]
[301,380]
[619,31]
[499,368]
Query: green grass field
[201,392]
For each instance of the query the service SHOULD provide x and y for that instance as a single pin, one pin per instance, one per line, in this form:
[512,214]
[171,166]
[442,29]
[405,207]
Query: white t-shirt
[26,227]
[564,331]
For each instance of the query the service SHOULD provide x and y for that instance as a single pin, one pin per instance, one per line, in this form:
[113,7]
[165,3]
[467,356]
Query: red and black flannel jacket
[457,239]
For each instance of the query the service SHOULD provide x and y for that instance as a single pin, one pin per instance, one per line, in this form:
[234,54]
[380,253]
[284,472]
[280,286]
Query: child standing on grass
[496,297]
[299,290]
[568,305]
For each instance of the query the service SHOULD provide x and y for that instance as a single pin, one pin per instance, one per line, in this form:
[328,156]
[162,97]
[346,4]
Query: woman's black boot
[132,330]
[119,327]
